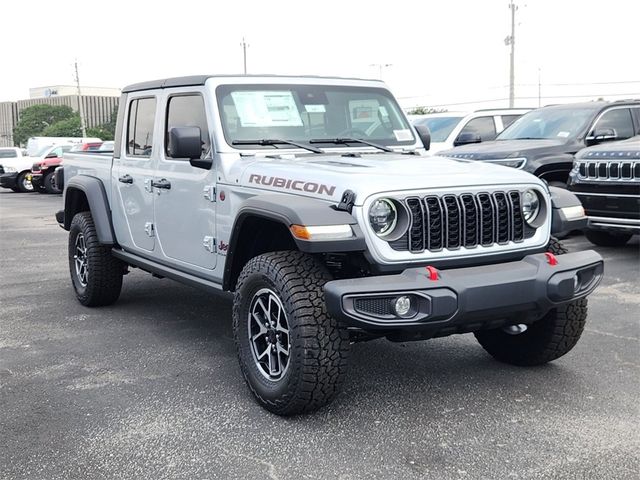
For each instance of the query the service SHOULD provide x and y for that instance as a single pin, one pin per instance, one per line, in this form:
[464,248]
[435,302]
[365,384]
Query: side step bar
[165,271]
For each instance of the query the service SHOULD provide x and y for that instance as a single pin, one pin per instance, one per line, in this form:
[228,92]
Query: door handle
[126,179]
[163,183]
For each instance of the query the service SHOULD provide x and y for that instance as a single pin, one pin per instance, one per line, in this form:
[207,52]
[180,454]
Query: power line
[534,98]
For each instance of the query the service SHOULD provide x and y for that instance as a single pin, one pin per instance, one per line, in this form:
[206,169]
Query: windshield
[549,123]
[43,151]
[302,113]
[439,127]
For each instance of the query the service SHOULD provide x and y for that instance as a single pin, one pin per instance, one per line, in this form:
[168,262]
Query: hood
[510,149]
[328,176]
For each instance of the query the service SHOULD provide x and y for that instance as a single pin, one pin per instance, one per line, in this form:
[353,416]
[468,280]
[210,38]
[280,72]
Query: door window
[188,111]
[618,119]
[142,112]
[482,126]
[509,119]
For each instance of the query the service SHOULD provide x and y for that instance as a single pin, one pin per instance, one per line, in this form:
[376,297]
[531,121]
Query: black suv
[544,141]
[606,178]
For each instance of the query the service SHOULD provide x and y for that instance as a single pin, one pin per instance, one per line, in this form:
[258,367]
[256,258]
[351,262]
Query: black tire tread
[607,239]
[545,340]
[48,186]
[321,370]
[104,281]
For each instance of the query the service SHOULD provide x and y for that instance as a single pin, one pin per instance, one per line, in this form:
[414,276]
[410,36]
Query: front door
[132,175]
[185,195]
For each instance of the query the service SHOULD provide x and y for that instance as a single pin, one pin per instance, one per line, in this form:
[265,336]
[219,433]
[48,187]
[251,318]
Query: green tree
[425,110]
[35,119]
[69,127]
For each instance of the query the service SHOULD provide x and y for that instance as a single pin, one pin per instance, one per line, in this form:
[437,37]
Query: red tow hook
[433,273]
[551,258]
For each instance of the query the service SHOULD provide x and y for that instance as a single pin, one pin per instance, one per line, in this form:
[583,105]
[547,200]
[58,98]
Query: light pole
[380,67]
[244,46]
[511,41]
[83,125]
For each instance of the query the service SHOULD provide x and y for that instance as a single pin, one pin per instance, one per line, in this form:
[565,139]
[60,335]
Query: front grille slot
[452,220]
[417,232]
[467,220]
[434,222]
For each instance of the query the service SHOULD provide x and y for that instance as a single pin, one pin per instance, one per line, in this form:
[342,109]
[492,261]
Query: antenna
[83,126]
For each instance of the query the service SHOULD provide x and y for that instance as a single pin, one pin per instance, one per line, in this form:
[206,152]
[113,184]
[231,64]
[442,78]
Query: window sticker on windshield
[563,134]
[266,109]
[315,108]
[403,135]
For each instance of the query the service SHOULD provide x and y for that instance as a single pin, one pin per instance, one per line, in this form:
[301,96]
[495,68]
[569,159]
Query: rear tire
[22,184]
[607,239]
[310,373]
[547,339]
[49,183]
[95,274]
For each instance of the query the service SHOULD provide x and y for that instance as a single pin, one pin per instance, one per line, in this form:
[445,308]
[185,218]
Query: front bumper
[36,180]
[465,299]
[9,180]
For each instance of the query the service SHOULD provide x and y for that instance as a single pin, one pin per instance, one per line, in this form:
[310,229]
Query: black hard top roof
[195,80]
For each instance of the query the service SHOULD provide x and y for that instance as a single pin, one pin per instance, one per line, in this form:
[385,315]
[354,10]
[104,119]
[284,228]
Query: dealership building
[98,104]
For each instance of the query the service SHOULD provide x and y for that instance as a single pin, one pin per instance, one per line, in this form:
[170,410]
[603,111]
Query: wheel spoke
[268,334]
[281,349]
[266,351]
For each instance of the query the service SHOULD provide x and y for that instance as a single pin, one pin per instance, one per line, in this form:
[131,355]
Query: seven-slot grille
[609,170]
[466,220]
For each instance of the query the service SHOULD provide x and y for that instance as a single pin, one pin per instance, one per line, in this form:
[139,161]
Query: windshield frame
[224,89]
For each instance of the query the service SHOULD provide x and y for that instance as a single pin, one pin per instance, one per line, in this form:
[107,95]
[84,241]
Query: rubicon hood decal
[292,184]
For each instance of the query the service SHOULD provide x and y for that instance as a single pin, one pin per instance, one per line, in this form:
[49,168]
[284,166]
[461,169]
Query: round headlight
[530,206]
[383,216]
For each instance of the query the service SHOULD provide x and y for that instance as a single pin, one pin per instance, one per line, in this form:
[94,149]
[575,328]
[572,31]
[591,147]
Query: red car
[42,172]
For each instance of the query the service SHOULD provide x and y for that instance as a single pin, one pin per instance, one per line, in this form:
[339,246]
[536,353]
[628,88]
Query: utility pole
[511,40]
[539,89]
[80,105]
[380,67]
[244,46]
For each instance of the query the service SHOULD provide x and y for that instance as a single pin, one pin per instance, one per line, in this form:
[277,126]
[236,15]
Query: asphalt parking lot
[150,387]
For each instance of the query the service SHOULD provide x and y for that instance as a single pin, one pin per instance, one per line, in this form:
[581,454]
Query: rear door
[132,175]
[185,209]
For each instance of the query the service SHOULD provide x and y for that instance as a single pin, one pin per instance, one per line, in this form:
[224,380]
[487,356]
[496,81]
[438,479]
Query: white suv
[451,129]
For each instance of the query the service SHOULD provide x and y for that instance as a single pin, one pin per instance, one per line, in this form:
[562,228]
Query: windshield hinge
[347,201]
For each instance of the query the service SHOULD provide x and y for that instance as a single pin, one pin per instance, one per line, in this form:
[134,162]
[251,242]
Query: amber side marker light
[321,232]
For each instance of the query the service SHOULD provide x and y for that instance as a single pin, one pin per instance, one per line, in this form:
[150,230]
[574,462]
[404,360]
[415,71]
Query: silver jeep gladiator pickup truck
[313,201]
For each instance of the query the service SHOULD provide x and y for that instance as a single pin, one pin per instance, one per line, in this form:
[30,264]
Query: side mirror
[465,138]
[601,135]
[186,142]
[425,135]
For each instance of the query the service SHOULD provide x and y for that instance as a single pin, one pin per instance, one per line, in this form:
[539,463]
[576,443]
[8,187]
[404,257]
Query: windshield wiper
[345,140]
[276,141]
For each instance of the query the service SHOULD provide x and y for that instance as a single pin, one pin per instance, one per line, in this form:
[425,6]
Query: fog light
[402,306]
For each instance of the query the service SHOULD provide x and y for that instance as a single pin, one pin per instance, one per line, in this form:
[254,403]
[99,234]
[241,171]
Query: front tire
[96,275]
[49,183]
[607,239]
[292,354]
[547,339]
[22,184]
